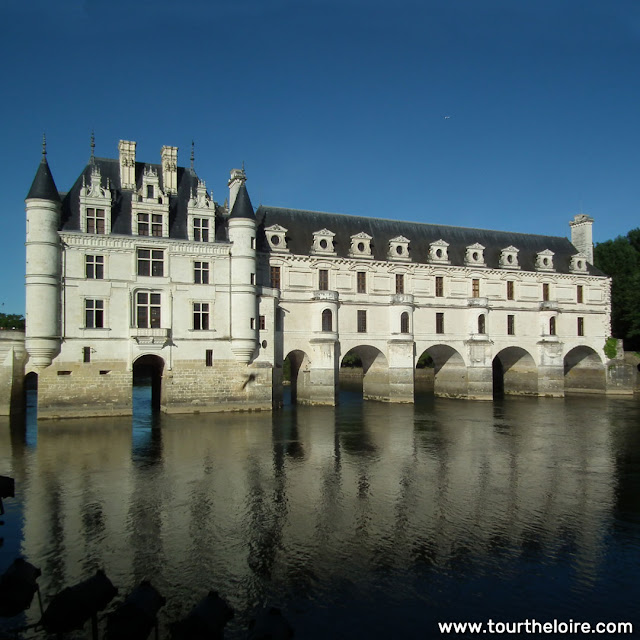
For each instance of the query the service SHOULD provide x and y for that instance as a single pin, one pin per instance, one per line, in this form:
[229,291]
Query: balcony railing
[549,305]
[402,298]
[478,302]
[331,296]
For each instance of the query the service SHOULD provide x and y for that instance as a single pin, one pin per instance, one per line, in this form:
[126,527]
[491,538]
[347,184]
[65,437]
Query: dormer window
[201,230]
[475,255]
[509,258]
[578,263]
[149,191]
[439,252]
[201,215]
[276,237]
[323,243]
[399,249]
[544,260]
[150,214]
[360,245]
[95,205]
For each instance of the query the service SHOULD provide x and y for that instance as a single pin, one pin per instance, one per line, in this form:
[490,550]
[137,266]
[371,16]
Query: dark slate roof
[242,207]
[121,200]
[43,186]
[302,224]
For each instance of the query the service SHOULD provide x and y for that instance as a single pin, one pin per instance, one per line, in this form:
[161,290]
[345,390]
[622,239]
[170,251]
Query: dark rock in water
[206,621]
[136,616]
[270,625]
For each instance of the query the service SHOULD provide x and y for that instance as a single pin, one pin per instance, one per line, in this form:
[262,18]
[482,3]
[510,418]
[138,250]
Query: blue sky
[337,106]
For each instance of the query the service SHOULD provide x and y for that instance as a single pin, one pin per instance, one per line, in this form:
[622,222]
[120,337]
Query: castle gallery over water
[137,267]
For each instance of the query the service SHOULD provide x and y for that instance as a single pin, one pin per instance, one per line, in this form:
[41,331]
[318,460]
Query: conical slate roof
[43,186]
[242,206]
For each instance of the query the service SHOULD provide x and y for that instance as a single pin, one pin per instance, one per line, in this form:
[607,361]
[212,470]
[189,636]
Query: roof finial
[192,153]
[44,147]
[93,146]
[243,166]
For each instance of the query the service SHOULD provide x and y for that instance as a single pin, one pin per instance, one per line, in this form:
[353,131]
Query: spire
[192,154]
[92,159]
[43,186]
[242,207]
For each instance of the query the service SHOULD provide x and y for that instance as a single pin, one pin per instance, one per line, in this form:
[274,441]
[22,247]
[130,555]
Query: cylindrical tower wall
[43,271]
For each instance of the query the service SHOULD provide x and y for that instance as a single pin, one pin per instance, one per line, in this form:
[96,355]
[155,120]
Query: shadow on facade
[514,373]
[584,371]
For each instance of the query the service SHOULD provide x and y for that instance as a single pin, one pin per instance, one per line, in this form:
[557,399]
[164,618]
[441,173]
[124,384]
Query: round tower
[242,235]
[43,268]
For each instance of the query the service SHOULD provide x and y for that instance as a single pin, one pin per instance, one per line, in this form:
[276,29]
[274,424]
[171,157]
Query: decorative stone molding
[96,197]
[544,260]
[201,207]
[127,151]
[360,245]
[277,238]
[509,258]
[578,263]
[399,249]
[169,159]
[439,252]
[327,295]
[474,256]
[323,243]
[402,298]
[549,305]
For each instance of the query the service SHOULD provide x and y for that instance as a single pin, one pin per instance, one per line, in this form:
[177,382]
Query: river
[367,520]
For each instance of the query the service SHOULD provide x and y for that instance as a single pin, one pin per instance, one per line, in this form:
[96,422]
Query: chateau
[137,269]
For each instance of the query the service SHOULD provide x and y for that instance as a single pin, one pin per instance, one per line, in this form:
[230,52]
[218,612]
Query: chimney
[237,179]
[169,157]
[127,164]
[582,235]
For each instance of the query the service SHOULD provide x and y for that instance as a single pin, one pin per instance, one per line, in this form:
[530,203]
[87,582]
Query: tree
[620,259]
[11,321]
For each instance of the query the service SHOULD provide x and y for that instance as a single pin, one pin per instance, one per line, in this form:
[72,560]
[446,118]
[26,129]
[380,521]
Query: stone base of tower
[84,390]
[228,385]
[317,387]
[480,383]
[12,356]
[551,382]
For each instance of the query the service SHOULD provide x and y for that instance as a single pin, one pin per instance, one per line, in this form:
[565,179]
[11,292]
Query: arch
[584,371]
[514,373]
[404,322]
[30,389]
[327,320]
[446,373]
[375,371]
[297,370]
[147,383]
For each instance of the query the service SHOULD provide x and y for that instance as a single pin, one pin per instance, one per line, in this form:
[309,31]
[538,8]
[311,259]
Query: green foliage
[351,360]
[425,361]
[11,321]
[611,348]
[620,259]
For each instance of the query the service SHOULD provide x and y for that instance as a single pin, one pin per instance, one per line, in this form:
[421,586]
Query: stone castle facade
[137,268]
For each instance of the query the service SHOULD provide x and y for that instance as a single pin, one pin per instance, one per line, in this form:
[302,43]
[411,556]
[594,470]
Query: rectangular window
[150,262]
[201,230]
[510,294]
[263,323]
[252,279]
[475,288]
[362,321]
[200,316]
[86,354]
[511,325]
[208,358]
[156,225]
[580,326]
[399,283]
[147,310]
[361,282]
[143,224]
[545,291]
[580,294]
[252,323]
[323,279]
[439,286]
[201,272]
[95,220]
[149,191]
[94,267]
[275,277]
[439,322]
[94,314]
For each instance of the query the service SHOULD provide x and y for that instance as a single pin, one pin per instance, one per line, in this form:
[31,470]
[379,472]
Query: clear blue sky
[337,105]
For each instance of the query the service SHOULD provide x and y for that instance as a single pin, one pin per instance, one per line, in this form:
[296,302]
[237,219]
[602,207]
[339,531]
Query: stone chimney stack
[169,156]
[582,235]
[127,164]
[237,179]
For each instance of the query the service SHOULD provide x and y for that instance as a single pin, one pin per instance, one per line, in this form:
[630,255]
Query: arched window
[552,326]
[481,324]
[327,320]
[404,322]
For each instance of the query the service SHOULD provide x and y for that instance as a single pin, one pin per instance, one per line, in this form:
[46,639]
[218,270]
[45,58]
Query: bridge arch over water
[584,371]
[514,373]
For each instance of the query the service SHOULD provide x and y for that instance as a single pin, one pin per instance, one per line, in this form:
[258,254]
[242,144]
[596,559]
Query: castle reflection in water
[367,518]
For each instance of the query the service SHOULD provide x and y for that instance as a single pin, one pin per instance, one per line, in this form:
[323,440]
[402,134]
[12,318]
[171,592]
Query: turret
[582,235]
[242,235]
[43,267]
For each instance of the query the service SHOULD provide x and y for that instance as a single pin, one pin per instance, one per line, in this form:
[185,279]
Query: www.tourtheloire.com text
[533,626]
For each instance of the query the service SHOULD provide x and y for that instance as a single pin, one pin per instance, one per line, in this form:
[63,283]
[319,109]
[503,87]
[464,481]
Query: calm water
[368,520]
